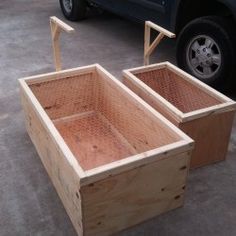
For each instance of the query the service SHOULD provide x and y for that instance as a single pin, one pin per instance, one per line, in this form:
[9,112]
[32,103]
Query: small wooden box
[113,159]
[200,111]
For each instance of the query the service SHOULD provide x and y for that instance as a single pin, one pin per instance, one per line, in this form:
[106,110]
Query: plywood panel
[134,196]
[211,135]
[62,175]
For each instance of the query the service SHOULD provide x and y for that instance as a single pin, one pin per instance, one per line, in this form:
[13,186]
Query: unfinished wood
[125,200]
[59,74]
[56,26]
[88,129]
[217,109]
[93,141]
[62,174]
[34,81]
[136,161]
[211,135]
[48,125]
[149,48]
[160,29]
[200,111]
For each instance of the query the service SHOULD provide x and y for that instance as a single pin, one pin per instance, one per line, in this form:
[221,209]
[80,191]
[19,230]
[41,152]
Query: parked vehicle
[206,30]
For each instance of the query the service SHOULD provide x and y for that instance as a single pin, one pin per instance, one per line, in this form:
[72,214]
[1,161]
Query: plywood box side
[61,173]
[49,126]
[211,135]
[131,197]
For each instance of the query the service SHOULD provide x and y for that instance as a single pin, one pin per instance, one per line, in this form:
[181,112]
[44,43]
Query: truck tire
[74,10]
[205,49]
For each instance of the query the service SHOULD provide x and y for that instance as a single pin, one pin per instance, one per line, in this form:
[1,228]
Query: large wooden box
[113,160]
[200,111]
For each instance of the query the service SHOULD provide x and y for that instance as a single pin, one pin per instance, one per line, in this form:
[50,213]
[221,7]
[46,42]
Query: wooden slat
[133,98]
[59,74]
[62,24]
[160,29]
[154,44]
[136,161]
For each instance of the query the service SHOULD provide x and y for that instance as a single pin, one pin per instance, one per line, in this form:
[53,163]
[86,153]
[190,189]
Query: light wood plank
[56,27]
[148,49]
[59,74]
[61,171]
[160,29]
[130,198]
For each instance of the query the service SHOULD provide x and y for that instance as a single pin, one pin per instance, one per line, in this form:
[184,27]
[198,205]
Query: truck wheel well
[190,10]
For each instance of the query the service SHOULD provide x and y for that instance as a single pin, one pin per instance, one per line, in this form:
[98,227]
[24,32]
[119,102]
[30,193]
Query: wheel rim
[67,4]
[204,57]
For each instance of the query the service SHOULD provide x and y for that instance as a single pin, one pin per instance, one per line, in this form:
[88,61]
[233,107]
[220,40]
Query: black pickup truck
[206,30]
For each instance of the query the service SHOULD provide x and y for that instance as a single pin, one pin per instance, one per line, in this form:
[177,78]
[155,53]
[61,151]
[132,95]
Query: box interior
[176,90]
[98,120]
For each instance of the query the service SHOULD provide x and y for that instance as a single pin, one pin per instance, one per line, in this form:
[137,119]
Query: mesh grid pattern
[64,97]
[180,93]
[98,121]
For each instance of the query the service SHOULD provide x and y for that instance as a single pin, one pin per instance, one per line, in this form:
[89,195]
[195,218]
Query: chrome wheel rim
[67,4]
[204,56]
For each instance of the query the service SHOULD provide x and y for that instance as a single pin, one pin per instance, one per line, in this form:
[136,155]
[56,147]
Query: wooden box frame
[117,195]
[210,127]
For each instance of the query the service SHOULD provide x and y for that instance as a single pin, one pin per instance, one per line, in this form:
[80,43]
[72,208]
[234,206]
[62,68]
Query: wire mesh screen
[180,93]
[98,120]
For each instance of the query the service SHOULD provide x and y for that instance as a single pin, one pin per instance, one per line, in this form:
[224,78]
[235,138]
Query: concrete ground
[29,205]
